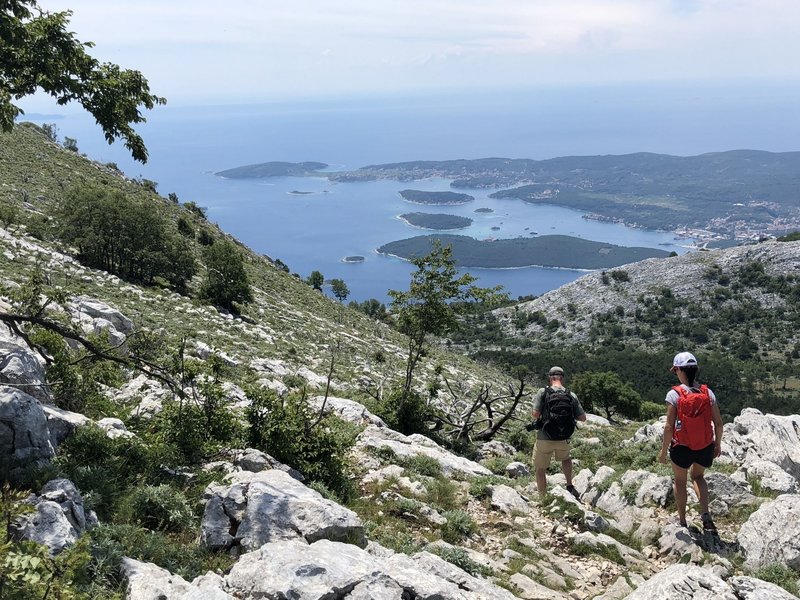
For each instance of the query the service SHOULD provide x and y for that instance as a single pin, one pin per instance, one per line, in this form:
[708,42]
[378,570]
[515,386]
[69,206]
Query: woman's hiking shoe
[708,523]
[571,489]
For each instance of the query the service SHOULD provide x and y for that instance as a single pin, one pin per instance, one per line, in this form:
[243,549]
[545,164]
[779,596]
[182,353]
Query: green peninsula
[437,221]
[423,197]
[561,251]
[273,169]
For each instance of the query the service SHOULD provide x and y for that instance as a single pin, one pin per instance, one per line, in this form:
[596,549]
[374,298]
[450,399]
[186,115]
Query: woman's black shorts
[685,457]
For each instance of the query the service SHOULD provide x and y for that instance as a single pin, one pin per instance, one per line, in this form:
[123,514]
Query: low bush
[288,430]
[404,411]
[158,508]
[781,575]
[458,527]
[460,558]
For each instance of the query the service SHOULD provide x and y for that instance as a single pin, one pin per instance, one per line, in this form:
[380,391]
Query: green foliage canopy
[226,280]
[38,52]
[124,236]
[607,391]
[340,289]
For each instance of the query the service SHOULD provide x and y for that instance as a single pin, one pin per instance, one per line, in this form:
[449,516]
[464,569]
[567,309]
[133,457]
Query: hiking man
[555,410]
[692,435]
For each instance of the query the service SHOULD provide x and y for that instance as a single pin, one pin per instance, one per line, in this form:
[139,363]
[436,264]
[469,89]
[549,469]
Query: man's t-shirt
[577,409]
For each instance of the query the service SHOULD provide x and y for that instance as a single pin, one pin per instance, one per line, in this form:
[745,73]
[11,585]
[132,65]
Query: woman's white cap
[684,359]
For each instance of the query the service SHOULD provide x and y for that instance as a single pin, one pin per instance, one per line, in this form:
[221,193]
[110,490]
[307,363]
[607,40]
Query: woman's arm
[669,429]
[717,418]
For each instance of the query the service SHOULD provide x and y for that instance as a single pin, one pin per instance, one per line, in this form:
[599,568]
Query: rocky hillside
[706,300]
[221,464]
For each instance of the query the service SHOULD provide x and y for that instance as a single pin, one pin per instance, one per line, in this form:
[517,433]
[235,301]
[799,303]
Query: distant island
[353,259]
[273,169]
[423,197]
[484,210]
[546,251]
[741,194]
[437,221]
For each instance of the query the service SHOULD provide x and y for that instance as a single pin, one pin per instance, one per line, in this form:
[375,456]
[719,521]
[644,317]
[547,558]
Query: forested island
[273,169]
[445,198]
[561,251]
[437,221]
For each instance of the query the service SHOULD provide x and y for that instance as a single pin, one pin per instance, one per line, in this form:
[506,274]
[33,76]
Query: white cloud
[311,47]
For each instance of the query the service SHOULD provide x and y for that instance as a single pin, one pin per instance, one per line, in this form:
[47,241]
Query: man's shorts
[685,457]
[544,450]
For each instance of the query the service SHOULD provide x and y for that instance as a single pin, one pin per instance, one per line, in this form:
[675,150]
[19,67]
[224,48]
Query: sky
[204,52]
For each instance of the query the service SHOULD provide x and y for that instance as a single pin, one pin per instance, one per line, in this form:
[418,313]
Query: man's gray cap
[556,371]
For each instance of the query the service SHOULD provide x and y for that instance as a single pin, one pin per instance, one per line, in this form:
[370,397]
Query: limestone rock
[755,436]
[507,500]
[253,460]
[348,410]
[61,423]
[255,508]
[770,475]
[651,487]
[517,469]
[114,428]
[772,534]
[654,432]
[24,437]
[21,367]
[415,445]
[750,588]
[728,490]
[678,542]
[531,590]
[325,569]
[683,582]
[59,518]
[595,540]
[82,307]
[495,449]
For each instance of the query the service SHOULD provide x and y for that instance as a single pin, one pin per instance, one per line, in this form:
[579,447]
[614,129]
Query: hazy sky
[200,51]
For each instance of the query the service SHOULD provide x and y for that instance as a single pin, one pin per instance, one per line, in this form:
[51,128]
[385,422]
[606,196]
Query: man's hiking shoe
[708,523]
[571,489]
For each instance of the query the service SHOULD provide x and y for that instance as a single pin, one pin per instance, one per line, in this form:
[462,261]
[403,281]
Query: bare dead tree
[483,415]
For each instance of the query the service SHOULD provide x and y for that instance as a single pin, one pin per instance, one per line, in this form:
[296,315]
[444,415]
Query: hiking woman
[692,435]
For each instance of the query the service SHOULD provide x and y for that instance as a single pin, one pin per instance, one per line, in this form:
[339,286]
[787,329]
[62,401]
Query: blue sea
[315,230]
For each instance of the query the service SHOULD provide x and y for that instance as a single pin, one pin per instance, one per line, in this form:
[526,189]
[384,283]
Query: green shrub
[198,429]
[781,575]
[458,527]
[441,493]
[404,411]
[460,558]
[521,439]
[157,507]
[179,555]
[481,487]
[609,552]
[292,433]
[104,469]
[422,464]
[650,411]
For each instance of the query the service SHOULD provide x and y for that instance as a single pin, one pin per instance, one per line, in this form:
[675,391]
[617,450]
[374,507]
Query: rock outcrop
[772,534]
[24,437]
[251,509]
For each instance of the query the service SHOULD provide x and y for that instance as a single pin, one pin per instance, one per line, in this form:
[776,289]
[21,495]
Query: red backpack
[693,428]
